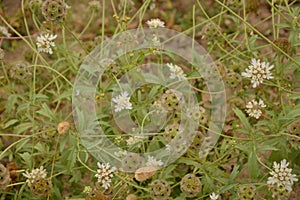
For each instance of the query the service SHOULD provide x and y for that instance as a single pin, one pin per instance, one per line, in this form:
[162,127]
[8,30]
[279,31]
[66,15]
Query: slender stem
[88,24]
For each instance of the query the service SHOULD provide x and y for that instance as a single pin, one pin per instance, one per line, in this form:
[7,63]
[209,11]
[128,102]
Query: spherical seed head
[96,195]
[294,127]
[54,10]
[198,114]
[171,100]
[4,176]
[35,5]
[294,130]
[197,142]
[190,185]
[233,79]
[237,101]
[131,162]
[279,192]
[221,68]
[41,187]
[247,192]
[252,5]
[171,131]
[160,190]
[20,71]
[283,44]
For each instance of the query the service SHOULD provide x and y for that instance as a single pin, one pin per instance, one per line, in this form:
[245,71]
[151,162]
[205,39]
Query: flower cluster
[105,174]
[258,71]
[254,108]
[38,182]
[122,102]
[176,72]
[282,176]
[132,140]
[155,23]
[155,41]
[120,153]
[35,174]
[45,42]
[214,196]
[94,5]
[4,31]
[153,162]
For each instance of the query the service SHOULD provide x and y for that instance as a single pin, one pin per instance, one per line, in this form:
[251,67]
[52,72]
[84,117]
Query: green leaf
[45,111]
[234,173]
[168,170]
[27,159]
[21,128]
[209,181]
[243,118]
[227,187]
[253,167]
[10,123]
[268,148]
[20,145]
[189,162]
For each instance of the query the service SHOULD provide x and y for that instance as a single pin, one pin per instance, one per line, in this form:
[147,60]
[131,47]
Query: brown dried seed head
[283,44]
[145,173]
[4,177]
[131,197]
[63,127]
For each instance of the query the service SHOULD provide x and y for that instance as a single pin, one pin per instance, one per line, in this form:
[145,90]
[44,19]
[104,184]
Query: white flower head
[87,189]
[94,4]
[258,71]
[254,108]
[120,153]
[282,175]
[45,42]
[155,23]
[35,174]
[132,140]
[152,6]
[122,102]
[152,162]
[214,196]
[4,31]
[155,41]
[176,72]
[105,174]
